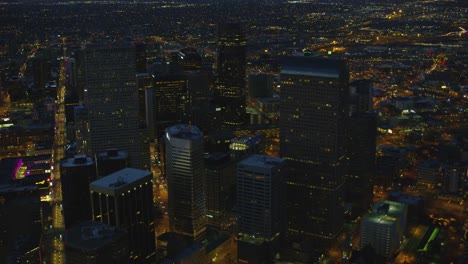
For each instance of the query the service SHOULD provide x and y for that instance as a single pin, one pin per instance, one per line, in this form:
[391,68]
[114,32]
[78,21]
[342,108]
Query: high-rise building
[260,86]
[259,208]
[220,189]
[20,224]
[82,130]
[166,102]
[125,199]
[361,143]
[186,181]
[111,161]
[384,227]
[140,57]
[94,242]
[76,174]
[111,97]
[199,95]
[229,92]
[144,81]
[312,141]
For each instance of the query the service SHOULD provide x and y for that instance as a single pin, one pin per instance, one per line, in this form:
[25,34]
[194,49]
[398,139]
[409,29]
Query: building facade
[259,207]
[384,227]
[75,175]
[185,170]
[111,98]
[312,141]
[125,199]
[229,93]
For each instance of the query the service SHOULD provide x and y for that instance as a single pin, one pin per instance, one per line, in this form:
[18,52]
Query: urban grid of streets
[441,208]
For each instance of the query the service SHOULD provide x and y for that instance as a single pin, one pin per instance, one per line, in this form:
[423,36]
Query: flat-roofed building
[384,227]
[95,242]
[312,140]
[185,169]
[125,199]
[259,207]
[76,174]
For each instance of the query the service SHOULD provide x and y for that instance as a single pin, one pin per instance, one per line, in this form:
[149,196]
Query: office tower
[166,102]
[199,97]
[312,141]
[360,97]
[94,242]
[111,161]
[140,57]
[259,208]
[82,130]
[144,81]
[186,181]
[361,143]
[72,72]
[260,86]
[20,224]
[111,97]
[76,174]
[220,190]
[125,199]
[384,227]
[229,92]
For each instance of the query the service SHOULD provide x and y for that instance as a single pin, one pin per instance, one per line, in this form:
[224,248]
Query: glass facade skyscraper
[229,93]
[312,141]
[185,170]
[111,98]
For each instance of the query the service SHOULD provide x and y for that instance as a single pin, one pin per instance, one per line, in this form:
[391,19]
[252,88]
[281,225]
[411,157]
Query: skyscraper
[82,131]
[260,86]
[220,189]
[312,141]
[259,208]
[76,174]
[229,93]
[166,102]
[125,199]
[111,97]
[186,187]
[140,57]
[361,139]
[111,161]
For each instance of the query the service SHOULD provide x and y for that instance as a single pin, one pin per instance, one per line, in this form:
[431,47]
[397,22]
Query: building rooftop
[314,66]
[112,154]
[184,132]
[217,158]
[262,161]
[379,218]
[77,161]
[269,100]
[92,235]
[389,208]
[121,178]
[247,139]
[9,188]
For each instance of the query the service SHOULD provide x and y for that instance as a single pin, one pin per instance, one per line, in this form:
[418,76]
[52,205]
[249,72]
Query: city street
[57,252]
